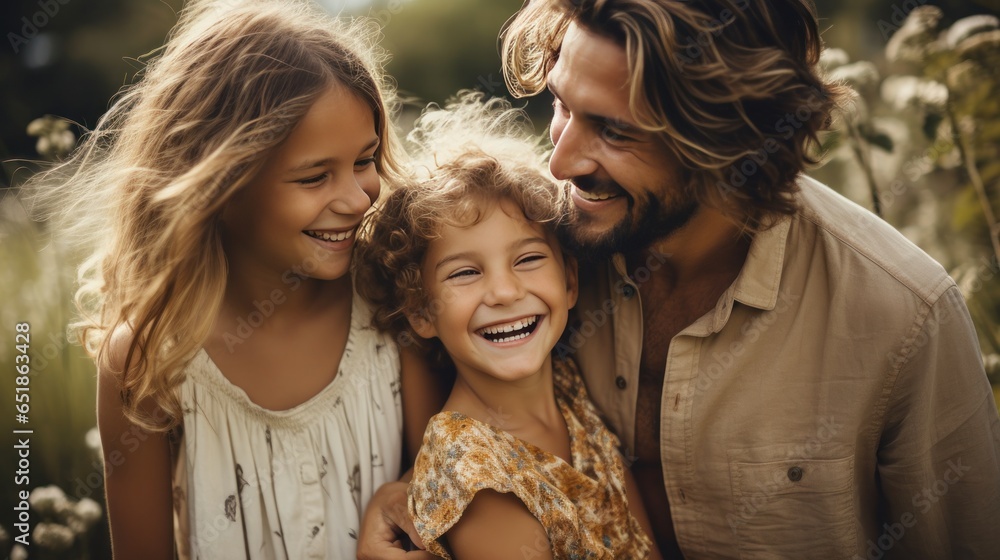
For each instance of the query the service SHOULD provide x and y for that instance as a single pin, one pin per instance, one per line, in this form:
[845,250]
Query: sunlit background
[922,148]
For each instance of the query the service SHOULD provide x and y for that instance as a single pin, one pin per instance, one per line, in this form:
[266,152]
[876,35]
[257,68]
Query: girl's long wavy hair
[145,190]
[468,157]
[729,85]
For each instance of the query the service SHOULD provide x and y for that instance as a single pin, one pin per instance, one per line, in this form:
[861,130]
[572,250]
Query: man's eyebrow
[611,122]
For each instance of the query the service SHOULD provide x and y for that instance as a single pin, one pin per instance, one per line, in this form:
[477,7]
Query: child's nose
[351,197]
[504,289]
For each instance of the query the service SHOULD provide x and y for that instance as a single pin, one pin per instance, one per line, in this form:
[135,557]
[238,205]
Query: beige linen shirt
[832,405]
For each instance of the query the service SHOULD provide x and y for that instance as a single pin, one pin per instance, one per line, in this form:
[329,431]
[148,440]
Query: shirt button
[620,382]
[308,472]
[795,474]
[628,291]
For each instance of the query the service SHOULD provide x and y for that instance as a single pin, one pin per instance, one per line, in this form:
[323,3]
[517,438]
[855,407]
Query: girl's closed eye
[462,273]
[364,163]
[532,259]
[313,181]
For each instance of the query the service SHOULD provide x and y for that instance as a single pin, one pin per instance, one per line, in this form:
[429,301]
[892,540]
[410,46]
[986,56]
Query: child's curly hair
[470,155]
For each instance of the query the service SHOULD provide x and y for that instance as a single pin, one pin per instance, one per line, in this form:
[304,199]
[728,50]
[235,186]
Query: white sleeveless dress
[256,483]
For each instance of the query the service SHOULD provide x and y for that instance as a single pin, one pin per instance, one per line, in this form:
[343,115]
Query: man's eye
[612,135]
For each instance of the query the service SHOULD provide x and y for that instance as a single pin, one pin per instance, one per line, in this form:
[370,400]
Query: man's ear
[421,324]
[572,279]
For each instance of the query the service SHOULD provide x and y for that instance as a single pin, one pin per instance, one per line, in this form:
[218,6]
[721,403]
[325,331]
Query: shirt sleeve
[460,457]
[939,454]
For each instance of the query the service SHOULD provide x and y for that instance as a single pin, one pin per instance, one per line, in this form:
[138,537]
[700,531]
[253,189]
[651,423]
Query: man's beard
[642,225]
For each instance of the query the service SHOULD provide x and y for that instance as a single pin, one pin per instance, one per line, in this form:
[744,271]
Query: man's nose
[572,156]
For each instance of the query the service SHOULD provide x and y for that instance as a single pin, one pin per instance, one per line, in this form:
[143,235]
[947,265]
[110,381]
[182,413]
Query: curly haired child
[466,262]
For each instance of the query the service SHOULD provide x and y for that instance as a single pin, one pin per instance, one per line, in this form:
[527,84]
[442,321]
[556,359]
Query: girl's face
[500,294]
[299,215]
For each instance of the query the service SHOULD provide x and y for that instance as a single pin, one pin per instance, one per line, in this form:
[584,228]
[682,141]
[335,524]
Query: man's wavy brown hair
[731,86]
[471,156]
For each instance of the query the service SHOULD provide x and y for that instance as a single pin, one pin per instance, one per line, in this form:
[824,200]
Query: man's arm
[939,455]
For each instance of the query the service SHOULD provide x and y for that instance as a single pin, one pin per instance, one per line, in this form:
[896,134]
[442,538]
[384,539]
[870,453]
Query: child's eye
[363,163]
[312,180]
[531,258]
[465,272]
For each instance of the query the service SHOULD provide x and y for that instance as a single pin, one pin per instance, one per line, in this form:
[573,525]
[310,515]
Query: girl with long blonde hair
[246,407]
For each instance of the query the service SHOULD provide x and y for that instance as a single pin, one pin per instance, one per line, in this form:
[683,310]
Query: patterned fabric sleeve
[460,457]
[603,462]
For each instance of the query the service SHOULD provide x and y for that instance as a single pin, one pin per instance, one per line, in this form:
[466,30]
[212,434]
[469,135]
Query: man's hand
[387,520]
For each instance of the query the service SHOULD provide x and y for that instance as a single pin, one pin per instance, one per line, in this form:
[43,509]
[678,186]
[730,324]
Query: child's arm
[498,526]
[424,391]
[638,510]
[137,473]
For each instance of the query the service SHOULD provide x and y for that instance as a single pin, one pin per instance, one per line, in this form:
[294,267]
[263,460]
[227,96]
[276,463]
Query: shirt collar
[758,282]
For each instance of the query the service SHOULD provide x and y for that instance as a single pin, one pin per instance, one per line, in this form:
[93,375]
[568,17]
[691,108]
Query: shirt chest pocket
[794,508]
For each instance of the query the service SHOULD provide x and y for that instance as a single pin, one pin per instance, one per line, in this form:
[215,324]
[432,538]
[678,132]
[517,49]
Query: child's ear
[572,280]
[421,324]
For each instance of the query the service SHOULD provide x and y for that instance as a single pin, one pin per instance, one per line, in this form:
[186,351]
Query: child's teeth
[510,327]
[331,236]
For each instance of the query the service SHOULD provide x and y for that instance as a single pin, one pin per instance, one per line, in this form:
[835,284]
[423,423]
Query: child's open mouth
[509,332]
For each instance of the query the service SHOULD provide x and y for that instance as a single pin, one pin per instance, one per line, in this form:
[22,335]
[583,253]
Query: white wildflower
[89,511]
[38,126]
[907,92]
[830,59]
[93,439]
[47,499]
[964,76]
[913,40]
[858,74]
[991,363]
[980,45]
[969,26]
[19,552]
[53,536]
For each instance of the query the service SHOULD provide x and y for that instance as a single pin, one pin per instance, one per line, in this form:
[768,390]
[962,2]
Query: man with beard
[790,377]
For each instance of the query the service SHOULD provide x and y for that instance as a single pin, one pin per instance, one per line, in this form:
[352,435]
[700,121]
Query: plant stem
[969,161]
[857,145]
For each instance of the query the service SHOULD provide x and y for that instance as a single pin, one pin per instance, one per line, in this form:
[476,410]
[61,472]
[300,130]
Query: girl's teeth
[513,338]
[509,327]
[331,236]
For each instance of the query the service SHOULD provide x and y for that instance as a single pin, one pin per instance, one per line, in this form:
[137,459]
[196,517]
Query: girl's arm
[638,511]
[498,526]
[136,473]
[424,392]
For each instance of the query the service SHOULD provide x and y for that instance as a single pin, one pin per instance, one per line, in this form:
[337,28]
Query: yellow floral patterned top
[582,506]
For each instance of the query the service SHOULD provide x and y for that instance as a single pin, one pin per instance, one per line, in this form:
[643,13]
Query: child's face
[503,274]
[300,213]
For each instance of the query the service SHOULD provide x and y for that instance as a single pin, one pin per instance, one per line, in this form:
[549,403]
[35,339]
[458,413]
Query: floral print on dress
[582,506]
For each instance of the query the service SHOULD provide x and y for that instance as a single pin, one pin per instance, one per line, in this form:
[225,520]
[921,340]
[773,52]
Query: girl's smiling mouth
[511,331]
